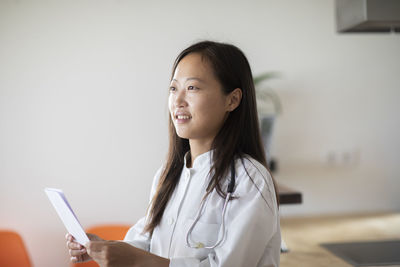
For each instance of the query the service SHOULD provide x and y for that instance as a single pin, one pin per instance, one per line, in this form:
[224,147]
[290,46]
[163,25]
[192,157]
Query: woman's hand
[78,252]
[121,254]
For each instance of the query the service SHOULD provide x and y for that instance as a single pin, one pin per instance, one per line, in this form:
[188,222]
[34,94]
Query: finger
[74,245]
[74,259]
[69,237]
[75,252]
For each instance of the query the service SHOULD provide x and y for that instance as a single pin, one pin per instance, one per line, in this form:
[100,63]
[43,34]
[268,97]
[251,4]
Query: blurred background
[83,106]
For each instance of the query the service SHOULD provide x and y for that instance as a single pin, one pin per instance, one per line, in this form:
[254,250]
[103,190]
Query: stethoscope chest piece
[199,245]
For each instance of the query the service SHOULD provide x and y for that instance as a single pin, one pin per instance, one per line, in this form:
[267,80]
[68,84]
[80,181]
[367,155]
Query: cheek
[170,102]
[211,111]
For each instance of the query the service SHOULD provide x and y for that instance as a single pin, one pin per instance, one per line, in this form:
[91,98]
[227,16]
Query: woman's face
[197,104]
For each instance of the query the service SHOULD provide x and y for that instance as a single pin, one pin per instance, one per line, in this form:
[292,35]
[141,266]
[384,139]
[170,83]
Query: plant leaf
[264,76]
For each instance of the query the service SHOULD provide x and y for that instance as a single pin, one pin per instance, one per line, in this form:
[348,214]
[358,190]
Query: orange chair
[107,232]
[12,250]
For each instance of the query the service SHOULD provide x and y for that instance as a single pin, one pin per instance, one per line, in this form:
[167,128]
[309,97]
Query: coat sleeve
[252,234]
[135,235]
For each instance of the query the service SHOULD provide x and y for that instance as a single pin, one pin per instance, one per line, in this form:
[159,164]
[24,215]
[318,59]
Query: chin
[184,136]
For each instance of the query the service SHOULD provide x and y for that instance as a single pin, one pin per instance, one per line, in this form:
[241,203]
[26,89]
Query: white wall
[83,90]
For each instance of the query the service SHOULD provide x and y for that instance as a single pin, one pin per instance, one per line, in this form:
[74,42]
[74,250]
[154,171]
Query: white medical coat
[252,231]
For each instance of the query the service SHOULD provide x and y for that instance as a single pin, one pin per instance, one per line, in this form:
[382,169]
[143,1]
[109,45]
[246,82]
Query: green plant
[268,101]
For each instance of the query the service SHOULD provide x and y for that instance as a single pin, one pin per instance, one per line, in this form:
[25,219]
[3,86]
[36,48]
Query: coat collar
[200,162]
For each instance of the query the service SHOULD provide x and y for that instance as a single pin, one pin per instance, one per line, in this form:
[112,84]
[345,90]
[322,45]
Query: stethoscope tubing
[189,241]
[199,244]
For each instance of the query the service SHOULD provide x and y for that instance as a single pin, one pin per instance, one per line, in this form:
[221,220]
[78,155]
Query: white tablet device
[66,214]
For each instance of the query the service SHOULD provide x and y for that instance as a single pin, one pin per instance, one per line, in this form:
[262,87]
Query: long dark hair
[239,135]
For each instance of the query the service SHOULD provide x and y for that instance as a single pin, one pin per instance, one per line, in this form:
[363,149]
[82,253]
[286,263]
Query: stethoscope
[192,244]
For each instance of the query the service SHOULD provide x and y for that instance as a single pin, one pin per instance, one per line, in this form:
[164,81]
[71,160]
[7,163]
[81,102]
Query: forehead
[193,65]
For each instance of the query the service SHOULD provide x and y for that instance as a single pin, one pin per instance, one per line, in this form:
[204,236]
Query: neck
[197,148]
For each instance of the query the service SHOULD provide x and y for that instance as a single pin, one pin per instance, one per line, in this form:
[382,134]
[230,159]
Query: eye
[191,87]
[171,88]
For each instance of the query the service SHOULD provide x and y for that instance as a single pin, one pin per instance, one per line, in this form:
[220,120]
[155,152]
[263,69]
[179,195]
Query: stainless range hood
[368,15]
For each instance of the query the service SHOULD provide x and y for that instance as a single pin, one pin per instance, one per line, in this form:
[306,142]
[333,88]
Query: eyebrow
[190,78]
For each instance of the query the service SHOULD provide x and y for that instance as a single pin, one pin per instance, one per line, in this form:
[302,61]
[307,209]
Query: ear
[233,100]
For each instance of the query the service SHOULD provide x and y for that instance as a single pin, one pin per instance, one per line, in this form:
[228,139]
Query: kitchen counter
[303,236]
[288,195]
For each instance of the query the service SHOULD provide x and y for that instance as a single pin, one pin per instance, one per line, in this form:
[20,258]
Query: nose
[180,99]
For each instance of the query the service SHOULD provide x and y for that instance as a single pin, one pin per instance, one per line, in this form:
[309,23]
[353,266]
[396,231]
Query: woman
[214,202]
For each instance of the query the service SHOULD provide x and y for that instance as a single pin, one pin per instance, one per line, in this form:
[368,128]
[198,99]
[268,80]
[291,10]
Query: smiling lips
[182,118]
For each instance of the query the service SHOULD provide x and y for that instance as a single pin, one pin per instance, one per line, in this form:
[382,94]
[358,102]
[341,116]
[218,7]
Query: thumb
[93,247]
[88,247]
[93,237]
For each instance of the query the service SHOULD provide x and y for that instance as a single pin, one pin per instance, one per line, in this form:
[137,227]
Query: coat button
[170,221]
[187,175]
